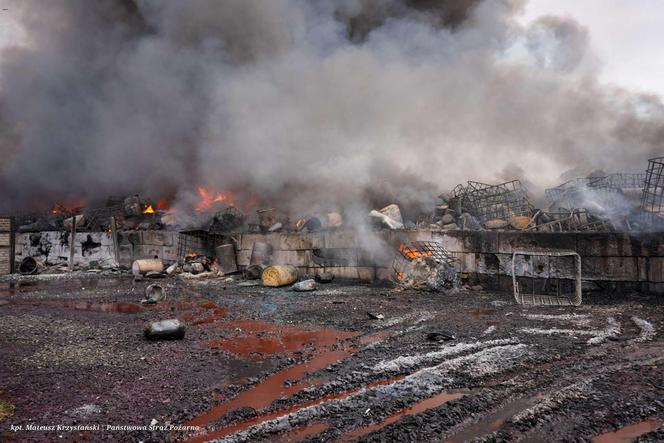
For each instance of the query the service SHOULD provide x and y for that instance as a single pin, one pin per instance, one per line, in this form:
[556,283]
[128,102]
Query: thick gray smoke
[303,101]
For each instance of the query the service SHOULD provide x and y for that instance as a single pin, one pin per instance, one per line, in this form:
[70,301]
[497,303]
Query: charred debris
[207,244]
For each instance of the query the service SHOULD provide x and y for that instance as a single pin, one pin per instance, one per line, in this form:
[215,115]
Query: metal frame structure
[199,242]
[559,299]
[488,202]
[652,198]
[413,250]
[619,180]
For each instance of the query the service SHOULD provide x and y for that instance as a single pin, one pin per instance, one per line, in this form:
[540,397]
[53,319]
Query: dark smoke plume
[303,102]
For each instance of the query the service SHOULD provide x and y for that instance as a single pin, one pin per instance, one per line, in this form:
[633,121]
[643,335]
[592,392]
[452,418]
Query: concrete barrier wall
[607,257]
[613,257]
[52,247]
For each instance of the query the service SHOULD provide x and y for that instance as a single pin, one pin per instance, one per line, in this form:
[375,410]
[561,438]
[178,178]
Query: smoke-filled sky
[306,101]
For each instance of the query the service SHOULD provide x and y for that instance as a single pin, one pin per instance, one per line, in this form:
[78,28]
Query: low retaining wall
[606,257]
[52,247]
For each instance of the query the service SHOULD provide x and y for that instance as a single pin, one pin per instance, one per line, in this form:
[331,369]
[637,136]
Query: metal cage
[652,198]
[413,250]
[547,278]
[488,202]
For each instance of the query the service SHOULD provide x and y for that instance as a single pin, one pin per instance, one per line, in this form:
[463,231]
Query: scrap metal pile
[599,202]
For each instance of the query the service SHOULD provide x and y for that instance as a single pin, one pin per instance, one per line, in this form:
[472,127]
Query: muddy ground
[261,364]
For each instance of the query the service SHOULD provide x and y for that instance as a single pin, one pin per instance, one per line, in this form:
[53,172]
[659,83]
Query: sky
[627,36]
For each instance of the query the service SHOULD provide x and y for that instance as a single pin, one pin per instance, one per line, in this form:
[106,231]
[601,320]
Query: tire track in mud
[387,399]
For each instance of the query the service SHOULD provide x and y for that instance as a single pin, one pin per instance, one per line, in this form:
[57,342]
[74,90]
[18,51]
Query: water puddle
[273,387]
[124,308]
[264,393]
[303,433]
[258,340]
[493,422]
[417,408]
[280,413]
[629,433]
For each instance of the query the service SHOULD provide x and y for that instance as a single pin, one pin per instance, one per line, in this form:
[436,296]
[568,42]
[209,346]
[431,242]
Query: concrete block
[334,257]
[352,272]
[159,238]
[608,244]
[451,243]
[148,251]
[610,268]
[479,241]
[342,239]
[126,254]
[654,267]
[404,236]
[294,258]
[494,264]
[646,244]
[508,242]
[243,257]
[169,254]
[247,241]
[291,242]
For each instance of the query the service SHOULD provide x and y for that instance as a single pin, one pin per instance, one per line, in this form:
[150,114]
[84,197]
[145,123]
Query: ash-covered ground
[262,364]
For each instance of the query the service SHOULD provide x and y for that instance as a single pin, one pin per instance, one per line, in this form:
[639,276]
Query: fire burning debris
[235,114]
[209,198]
[601,202]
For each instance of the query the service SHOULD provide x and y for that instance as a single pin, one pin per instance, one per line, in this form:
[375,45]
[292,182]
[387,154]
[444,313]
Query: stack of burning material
[495,206]
[227,220]
[425,265]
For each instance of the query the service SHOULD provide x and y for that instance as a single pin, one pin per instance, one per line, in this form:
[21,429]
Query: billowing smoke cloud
[304,101]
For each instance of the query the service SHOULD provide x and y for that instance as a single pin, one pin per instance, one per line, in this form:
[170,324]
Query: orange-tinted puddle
[257,340]
[302,433]
[272,388]
[422,406]
[254,421]
[629,433]
[264,393]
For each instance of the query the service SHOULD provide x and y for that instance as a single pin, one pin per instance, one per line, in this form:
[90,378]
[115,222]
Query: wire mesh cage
[652,198]
[198,242]
[547,277]
[488,202]
[406,253]
[619,180]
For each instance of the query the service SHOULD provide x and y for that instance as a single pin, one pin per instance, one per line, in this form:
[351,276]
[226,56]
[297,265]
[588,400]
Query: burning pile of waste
[425,266]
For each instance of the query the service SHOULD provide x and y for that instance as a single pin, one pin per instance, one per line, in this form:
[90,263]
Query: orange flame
[67,207]
[208,198]
[163,204]
[148,209]
[412,254]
